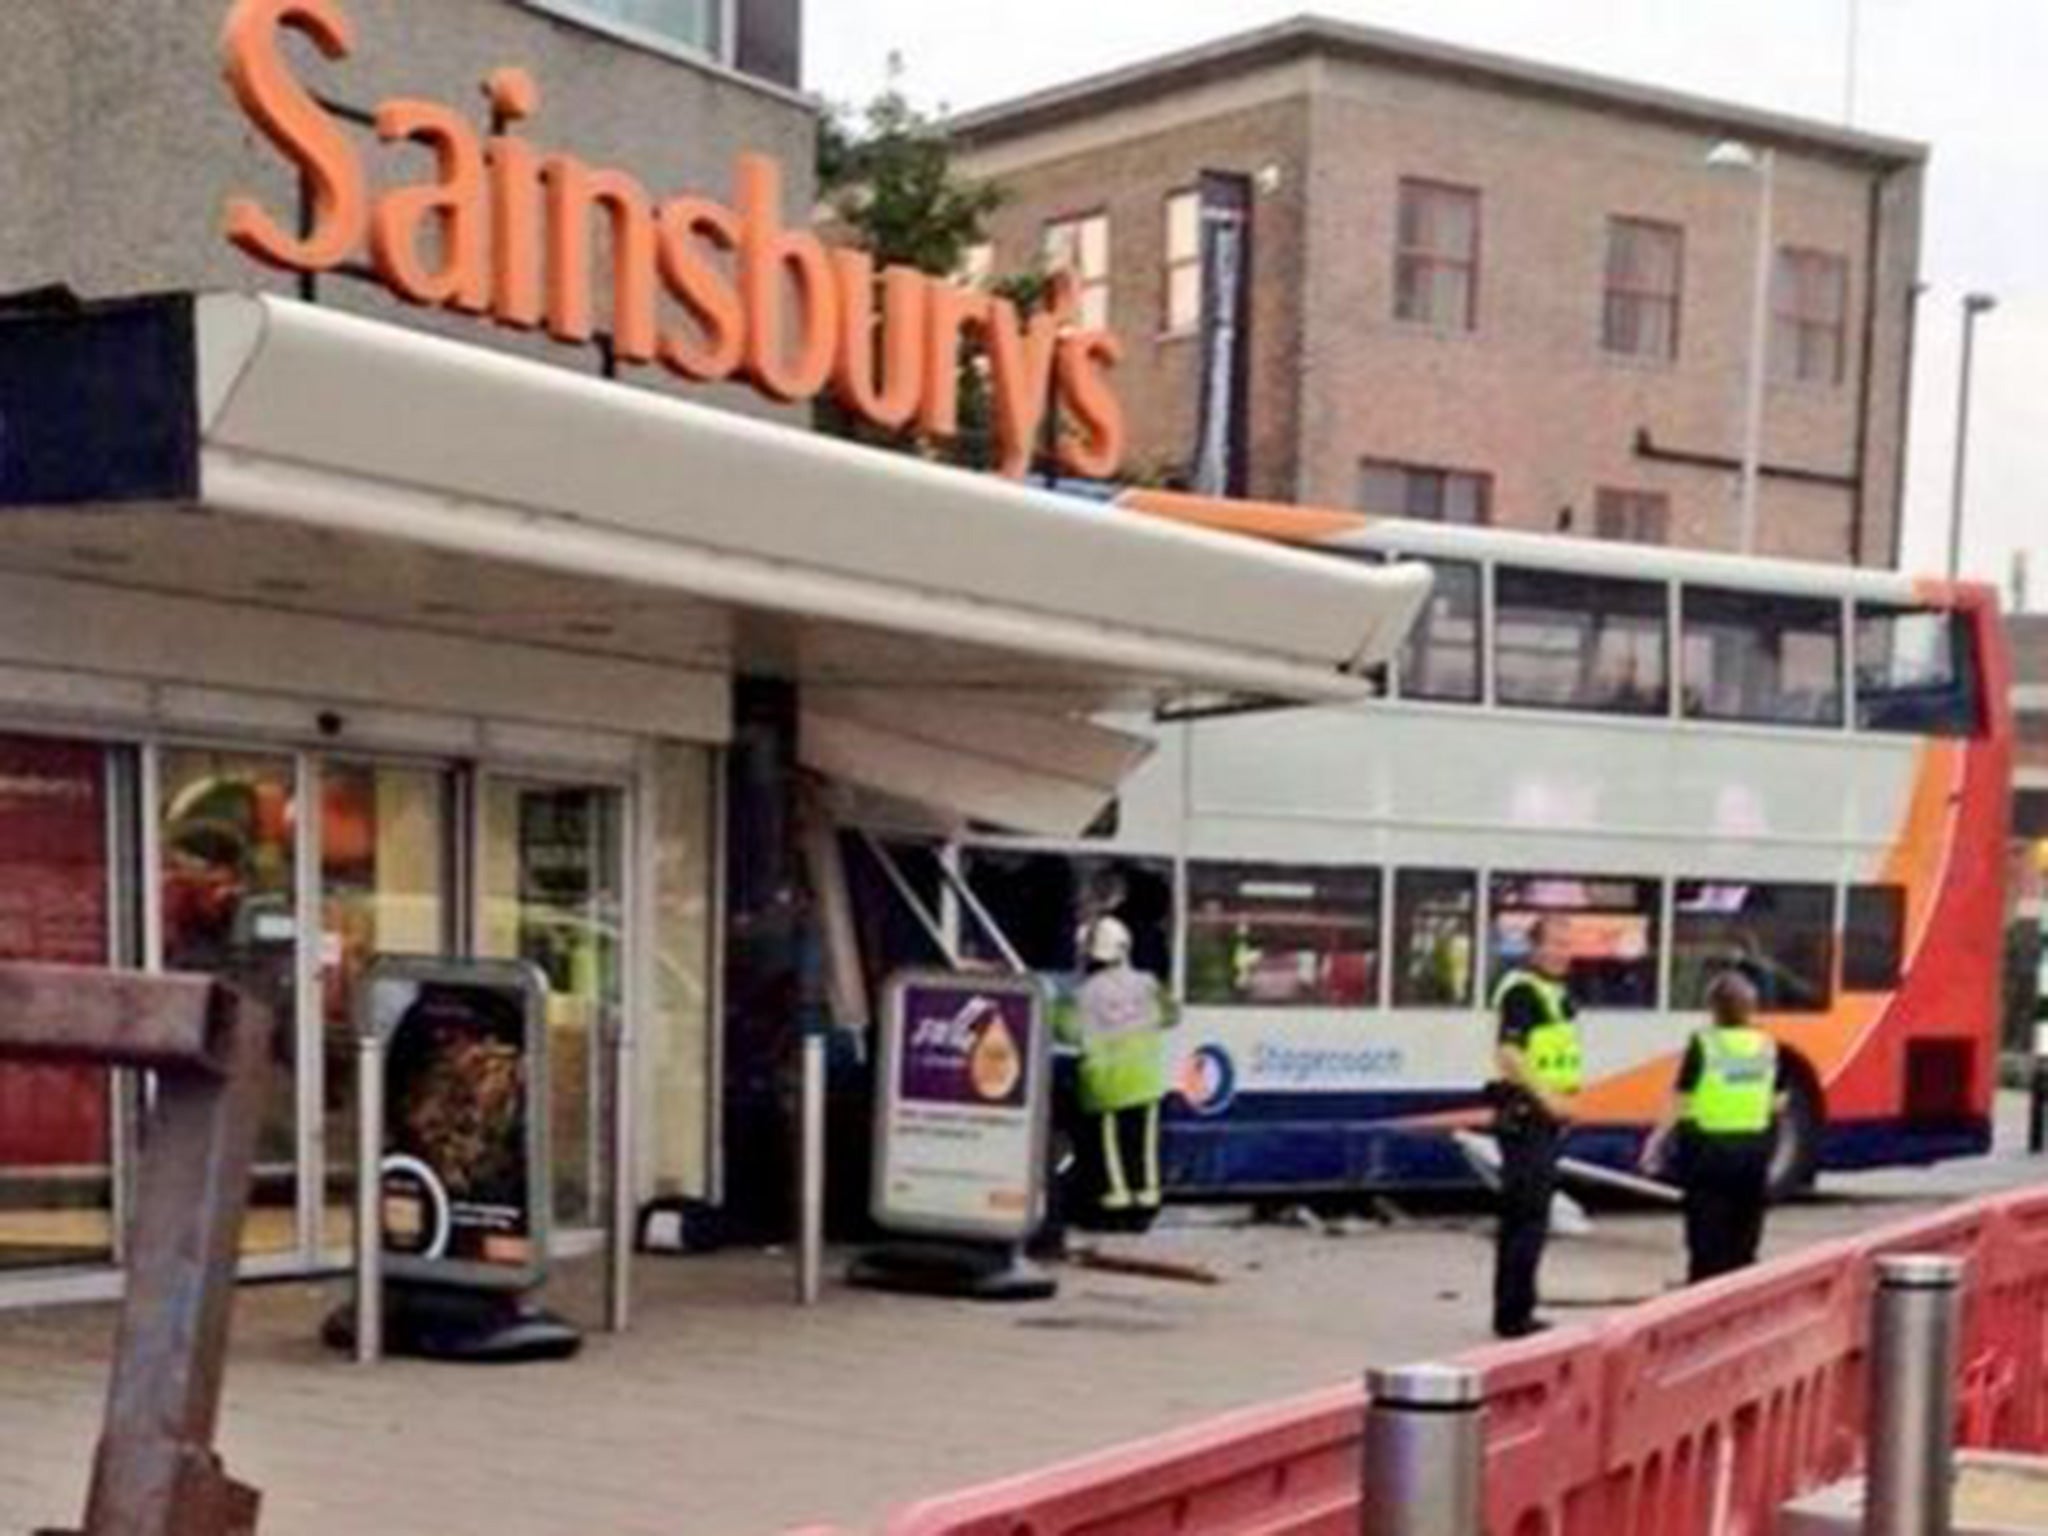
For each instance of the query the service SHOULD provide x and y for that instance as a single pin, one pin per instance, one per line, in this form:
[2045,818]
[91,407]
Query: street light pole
[1759,351]
[1733,154]
[1974,304]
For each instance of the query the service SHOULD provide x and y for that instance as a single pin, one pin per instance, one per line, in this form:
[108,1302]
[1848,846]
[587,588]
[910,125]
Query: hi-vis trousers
[1127,1145]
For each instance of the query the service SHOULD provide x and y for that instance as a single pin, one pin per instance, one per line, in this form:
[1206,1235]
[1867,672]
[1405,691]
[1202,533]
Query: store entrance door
[387,855]
[56,904]
[552,887]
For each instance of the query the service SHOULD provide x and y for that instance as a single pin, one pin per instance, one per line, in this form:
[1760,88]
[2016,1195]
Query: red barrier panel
[1723,1399]
[1288,1470]
[2012,1412]
[1543,1432]
[1973,1234]
[1700,1412]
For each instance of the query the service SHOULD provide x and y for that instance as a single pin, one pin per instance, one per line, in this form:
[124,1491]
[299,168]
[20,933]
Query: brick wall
[1159,379]
[1529,397]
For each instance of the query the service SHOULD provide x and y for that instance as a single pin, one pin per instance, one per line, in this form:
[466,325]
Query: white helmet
[1109,941]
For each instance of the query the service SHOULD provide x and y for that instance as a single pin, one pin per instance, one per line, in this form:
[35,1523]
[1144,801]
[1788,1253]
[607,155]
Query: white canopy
[311,416]
[349,469]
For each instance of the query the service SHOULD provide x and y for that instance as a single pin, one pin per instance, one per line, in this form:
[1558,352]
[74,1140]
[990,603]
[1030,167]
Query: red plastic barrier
[1724,1399]
[1972,1233]
[1544,1417]
[1699,1412]
[1288,1470]
[2012,1409]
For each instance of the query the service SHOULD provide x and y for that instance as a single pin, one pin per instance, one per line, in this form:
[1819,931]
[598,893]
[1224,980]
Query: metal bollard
[369,1232]
[618,1306]
[1424,1452]
[1910,1485]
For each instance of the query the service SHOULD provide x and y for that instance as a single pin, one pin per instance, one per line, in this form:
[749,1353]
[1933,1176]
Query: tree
[886,171]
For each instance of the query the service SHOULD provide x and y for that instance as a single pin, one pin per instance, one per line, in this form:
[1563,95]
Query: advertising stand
[453,1198]
[962,1100]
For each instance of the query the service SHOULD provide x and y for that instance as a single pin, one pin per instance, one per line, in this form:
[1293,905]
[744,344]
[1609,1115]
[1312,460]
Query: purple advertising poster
[960,1121]
[964,1046]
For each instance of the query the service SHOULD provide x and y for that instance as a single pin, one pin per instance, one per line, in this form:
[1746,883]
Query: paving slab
[729,1412]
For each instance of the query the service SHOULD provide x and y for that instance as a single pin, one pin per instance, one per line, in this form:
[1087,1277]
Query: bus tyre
[1795,1160]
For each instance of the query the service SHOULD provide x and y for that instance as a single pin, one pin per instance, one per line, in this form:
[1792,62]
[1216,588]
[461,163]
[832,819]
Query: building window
[1436,922]
[1916,671]
[1609,927]
[1283,935]
[1645,263]
[1436,256]
[1440,658]
[1809,317]
[1634,517]
[1080,246]
[1388,489]
[1183,263]
[1761,657]
[672,26]
[1565,641]
[977,264]
[1781,938]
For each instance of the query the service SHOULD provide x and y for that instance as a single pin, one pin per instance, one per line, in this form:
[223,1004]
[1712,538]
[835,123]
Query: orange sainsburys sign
[507,230]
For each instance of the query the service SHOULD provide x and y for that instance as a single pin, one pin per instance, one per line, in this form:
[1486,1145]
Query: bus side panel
[1918,1084]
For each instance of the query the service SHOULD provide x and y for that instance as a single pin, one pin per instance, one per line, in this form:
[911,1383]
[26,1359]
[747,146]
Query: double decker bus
[1691,761]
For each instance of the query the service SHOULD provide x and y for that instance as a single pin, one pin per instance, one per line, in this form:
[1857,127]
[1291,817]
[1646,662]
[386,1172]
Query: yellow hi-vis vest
[1552,1049]
[1737,1083]
[1117,1018]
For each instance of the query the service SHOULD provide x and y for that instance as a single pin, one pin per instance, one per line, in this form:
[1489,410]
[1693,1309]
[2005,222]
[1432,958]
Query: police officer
[1723,1109]
[1117,1021]
[1540,1072]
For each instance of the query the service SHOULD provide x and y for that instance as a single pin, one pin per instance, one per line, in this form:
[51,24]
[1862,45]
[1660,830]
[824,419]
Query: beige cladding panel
[146,187]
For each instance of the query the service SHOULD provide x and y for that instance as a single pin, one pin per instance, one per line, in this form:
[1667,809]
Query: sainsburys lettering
[505,229]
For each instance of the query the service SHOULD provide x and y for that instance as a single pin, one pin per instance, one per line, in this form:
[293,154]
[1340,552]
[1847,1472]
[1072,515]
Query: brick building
[1485,290]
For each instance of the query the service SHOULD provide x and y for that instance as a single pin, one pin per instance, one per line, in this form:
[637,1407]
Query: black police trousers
[1528,1179]
[1726,1181]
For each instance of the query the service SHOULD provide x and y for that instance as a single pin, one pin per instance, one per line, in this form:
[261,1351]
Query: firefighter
[1117,1021]
[1538,1058]
[1723,1112]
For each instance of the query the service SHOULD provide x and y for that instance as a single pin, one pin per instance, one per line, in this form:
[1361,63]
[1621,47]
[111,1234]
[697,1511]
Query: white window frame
[1084,281]
[1172,265]
[594,15]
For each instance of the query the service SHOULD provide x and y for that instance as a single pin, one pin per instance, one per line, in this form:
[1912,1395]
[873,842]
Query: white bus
[1695,761]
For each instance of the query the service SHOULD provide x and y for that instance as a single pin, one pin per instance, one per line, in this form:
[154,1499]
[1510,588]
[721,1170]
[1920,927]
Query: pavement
[727,1410]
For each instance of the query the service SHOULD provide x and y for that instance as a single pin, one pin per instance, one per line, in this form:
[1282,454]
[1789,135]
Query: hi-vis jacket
[1737,1084]
[1552,1049]
[1118,1019]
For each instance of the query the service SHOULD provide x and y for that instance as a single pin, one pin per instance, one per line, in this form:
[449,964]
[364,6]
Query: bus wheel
[1795,1160]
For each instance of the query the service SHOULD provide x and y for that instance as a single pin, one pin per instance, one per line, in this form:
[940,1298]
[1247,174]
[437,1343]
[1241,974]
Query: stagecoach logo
[505,229]
[1208,1080]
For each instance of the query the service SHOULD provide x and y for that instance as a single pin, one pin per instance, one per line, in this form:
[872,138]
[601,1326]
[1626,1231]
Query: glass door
[56,905]
[229,904]
[385,858]
[551,885]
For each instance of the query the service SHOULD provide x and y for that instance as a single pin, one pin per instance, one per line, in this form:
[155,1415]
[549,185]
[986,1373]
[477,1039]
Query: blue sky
[1962,75]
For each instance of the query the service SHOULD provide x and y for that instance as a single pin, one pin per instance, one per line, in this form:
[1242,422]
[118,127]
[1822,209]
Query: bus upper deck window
[1568,641]
[1440,660]
[1762,657]
[1916,671]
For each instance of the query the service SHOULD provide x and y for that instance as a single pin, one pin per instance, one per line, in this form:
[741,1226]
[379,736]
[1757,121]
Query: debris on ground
[1109,1262]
